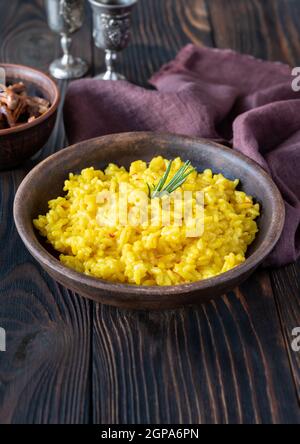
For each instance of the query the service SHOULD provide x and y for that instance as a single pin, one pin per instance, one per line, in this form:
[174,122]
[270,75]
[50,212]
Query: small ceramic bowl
[21,142]
[46,180]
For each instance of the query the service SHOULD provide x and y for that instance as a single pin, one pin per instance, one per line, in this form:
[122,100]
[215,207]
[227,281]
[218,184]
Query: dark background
[70,360]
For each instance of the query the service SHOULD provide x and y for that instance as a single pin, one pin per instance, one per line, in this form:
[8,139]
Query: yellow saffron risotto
[148,253]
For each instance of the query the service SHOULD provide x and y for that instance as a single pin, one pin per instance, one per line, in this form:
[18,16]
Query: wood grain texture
[213,364]
[70,360]
[48,339]
[269,30]
[286,287]
[44,375]
[26,38]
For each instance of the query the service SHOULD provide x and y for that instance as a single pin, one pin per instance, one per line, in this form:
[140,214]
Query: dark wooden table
[70,360]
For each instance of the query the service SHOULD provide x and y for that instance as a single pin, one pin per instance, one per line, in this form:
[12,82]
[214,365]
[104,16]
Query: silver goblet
[111,31]
[66,17]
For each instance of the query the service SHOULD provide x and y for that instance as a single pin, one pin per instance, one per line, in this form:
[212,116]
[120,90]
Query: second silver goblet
[111,31]
[66,17]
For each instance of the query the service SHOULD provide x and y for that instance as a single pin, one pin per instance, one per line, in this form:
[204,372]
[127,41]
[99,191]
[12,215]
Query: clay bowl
[21,142]
[46,180]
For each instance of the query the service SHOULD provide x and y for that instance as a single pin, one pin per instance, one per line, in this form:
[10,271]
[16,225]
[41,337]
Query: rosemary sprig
[177,180]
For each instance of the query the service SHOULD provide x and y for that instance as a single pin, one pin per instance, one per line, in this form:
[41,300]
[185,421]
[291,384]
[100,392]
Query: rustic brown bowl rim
[49,261]
[47,114]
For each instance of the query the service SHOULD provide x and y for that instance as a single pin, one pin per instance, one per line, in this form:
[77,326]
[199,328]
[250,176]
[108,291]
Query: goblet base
[73,70]
[110,75]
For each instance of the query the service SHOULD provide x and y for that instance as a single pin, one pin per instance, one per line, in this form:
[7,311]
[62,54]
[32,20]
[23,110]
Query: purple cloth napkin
[217,94]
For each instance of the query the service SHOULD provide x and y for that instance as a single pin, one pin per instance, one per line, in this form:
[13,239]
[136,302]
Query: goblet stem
[65,42]
[110,63]
[67,67]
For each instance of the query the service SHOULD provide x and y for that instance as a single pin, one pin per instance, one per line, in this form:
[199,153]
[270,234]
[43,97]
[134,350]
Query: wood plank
[266,29]
[286,286]
[197,365]
[270,30]
[45,372]
[212,364]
